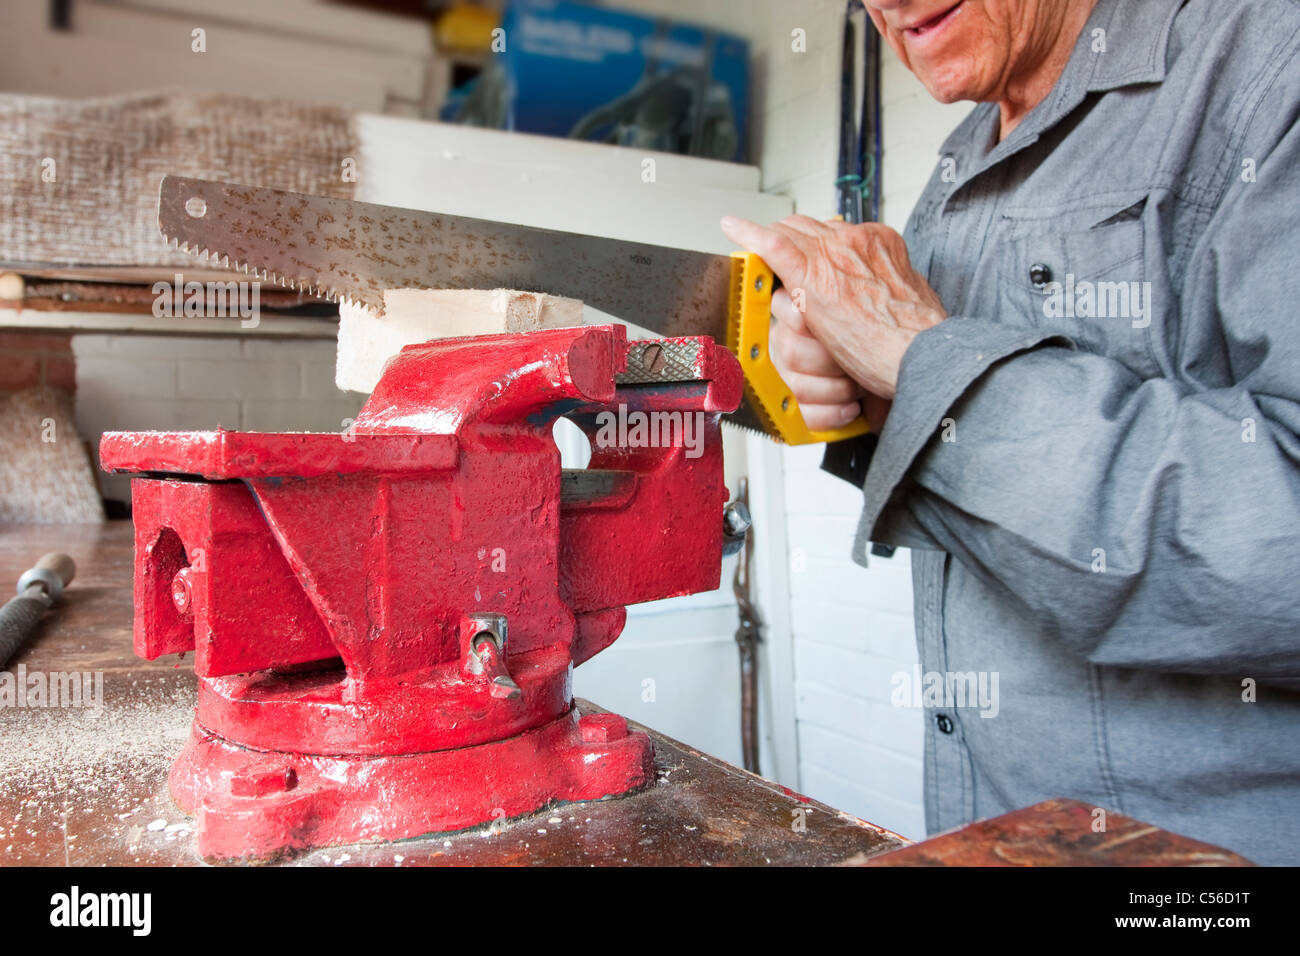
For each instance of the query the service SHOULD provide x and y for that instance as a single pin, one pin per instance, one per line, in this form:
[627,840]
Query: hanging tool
[870,144]
[748,636]
[40,587]
[857,181]
[354,251]
[848,181]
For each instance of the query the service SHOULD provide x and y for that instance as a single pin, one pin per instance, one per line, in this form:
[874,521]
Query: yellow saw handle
[748,329]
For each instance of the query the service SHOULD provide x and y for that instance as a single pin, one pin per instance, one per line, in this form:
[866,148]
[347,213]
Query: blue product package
[562,68]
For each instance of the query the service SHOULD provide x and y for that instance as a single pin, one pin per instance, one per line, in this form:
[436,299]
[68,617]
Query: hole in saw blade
[196,207]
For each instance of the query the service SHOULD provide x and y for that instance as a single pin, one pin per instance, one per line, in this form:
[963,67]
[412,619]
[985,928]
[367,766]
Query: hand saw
[353,251]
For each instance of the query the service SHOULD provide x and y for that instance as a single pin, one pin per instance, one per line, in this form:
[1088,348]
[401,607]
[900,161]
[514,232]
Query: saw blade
[352,251]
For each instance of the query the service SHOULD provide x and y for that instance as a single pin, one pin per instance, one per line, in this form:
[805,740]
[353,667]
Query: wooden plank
[427,142]
[589,188]
[368,341]
[274,325]
[1060,832]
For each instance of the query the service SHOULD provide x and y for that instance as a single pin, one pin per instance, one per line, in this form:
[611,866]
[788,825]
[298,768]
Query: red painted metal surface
[385,622]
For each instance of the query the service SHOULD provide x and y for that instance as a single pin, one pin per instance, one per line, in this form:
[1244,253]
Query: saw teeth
[351,303]
[750,398]
[260,274]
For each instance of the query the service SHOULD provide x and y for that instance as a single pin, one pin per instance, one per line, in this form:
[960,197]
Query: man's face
[966,49]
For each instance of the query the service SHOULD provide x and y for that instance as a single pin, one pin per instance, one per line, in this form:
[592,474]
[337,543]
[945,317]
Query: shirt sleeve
[1147,523]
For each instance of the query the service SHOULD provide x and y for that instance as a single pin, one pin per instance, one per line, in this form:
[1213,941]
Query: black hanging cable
[869,143]
[848,181]
[858,175]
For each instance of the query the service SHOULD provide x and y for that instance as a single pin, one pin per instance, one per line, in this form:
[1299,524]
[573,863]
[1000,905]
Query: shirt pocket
[1082,272]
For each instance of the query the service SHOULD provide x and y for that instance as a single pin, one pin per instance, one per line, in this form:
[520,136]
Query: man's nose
[883,5]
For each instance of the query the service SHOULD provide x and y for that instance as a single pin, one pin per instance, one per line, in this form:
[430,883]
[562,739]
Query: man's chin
[947,88]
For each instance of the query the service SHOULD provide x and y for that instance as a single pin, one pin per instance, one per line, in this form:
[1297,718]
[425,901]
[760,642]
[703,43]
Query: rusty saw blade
[342,249]
[351,251]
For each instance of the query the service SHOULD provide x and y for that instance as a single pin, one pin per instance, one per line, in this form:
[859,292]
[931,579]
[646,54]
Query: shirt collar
[1136,35]
[1130,49]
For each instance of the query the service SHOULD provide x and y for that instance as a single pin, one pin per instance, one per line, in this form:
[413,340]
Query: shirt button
[1040,274]
[944,723]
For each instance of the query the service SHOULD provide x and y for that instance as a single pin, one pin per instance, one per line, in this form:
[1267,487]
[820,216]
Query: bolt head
[183,590]
[736,519]
[602,728]
[653,359]
[263,782]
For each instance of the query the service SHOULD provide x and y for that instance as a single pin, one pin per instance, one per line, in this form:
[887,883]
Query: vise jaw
[385,621]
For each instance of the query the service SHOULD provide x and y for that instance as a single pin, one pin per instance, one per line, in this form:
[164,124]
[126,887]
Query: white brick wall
[167,382]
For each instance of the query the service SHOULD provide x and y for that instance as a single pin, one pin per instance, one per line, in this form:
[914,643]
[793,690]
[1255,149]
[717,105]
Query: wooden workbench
[82,788]
[86,787]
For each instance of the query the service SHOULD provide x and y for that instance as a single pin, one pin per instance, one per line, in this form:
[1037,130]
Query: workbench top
[83,787]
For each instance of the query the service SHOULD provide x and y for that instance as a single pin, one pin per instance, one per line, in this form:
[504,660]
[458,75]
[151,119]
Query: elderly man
[1083,362]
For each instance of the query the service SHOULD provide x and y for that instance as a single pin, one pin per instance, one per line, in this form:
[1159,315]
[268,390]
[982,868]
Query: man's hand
[850,305]
[828,398]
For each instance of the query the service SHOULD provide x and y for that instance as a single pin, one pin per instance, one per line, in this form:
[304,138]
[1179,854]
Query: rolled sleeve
[938,368]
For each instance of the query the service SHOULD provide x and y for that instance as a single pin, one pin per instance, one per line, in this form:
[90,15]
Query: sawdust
[105,768]
[140,723]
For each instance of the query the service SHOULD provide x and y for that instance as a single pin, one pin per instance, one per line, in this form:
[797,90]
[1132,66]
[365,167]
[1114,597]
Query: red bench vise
[385,621]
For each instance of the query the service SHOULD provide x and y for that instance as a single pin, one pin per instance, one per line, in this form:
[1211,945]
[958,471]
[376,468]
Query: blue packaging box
[561,68]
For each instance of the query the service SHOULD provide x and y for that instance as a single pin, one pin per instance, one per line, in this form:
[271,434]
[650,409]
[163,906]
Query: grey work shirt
[1097,457]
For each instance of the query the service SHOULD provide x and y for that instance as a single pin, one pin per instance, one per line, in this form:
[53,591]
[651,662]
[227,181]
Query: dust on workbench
[94,773]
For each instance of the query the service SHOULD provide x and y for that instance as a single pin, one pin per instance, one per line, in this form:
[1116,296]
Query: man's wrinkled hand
[850,305]
[828,397]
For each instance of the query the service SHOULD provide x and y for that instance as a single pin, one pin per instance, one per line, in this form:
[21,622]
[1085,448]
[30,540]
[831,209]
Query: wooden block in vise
[368,341]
